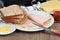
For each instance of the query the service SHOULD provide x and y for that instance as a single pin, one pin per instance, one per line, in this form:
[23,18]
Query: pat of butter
[5,29]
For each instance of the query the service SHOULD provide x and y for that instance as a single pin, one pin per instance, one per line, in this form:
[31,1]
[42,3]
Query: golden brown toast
[14,14]
[15,20]
[11,10]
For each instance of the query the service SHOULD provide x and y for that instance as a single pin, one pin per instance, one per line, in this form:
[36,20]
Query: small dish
[4,25]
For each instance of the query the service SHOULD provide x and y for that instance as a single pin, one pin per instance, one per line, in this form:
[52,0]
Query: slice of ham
[42,20]
[27,24]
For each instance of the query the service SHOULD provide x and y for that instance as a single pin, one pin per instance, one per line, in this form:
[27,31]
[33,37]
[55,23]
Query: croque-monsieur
[13,14]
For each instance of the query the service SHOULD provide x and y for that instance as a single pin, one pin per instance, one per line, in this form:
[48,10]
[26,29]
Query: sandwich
[13,14]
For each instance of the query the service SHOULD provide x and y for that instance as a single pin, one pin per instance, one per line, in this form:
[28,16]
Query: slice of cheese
[5,29]
[49,6]
[53,0]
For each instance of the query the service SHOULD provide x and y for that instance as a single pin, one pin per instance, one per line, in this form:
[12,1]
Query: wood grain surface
[41,35]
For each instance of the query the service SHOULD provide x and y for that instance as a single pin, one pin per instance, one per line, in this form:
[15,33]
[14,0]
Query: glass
[57,16]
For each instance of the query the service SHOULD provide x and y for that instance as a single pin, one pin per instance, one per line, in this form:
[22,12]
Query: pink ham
[42,20]
[28,24]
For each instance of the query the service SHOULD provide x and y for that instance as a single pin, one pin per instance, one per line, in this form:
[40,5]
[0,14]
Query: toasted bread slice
[11,10]
[17,16]
[15,20]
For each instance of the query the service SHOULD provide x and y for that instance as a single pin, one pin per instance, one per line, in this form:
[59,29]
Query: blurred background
[21,2]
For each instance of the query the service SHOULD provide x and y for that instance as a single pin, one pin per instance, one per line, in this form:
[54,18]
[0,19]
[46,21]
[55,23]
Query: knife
[46,29]
[49,30]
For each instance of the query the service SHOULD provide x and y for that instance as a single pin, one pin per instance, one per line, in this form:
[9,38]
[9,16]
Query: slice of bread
[16,16]
[15,20]
[11,10]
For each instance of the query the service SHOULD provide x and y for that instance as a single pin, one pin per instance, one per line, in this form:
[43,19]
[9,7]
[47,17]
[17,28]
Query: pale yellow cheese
[5,29]
[50,6]
[53,0]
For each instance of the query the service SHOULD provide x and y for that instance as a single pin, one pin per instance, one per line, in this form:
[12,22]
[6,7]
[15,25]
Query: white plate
[12,28]
[37,28]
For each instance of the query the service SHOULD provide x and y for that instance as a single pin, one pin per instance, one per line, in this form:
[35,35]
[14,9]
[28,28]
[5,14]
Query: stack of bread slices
[13,14]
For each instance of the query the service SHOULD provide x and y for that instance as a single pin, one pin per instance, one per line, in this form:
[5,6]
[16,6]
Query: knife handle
[55,31]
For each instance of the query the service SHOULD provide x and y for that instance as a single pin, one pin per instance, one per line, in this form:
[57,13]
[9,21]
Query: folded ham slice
[27,24]
[42,20]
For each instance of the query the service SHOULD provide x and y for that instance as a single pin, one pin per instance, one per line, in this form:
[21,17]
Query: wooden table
[19,35]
